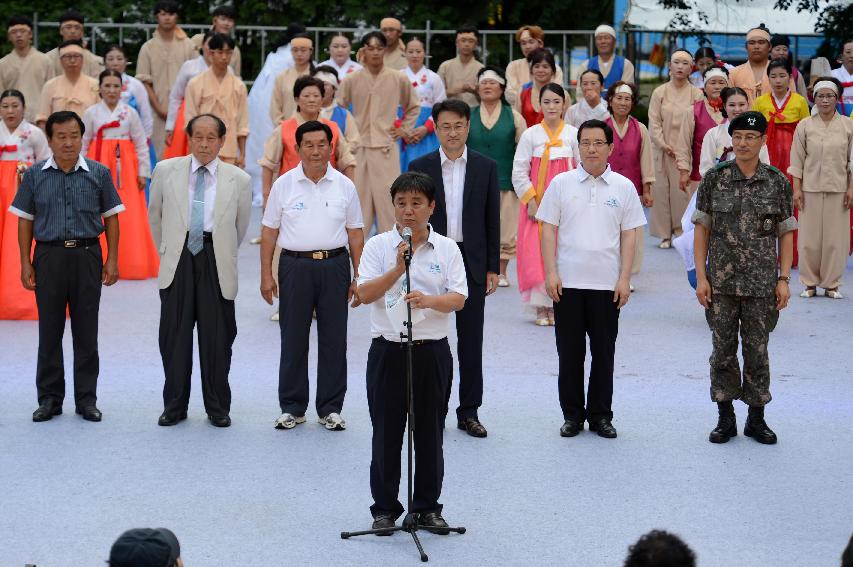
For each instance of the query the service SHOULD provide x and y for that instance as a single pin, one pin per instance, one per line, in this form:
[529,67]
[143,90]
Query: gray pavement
[254,496]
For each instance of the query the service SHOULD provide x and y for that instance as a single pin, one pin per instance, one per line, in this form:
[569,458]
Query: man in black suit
[467,210]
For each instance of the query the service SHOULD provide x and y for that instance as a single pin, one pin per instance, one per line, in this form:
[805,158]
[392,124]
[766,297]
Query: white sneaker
[289,421]
[503,281]
[333,422]
[274,316]
[255,240]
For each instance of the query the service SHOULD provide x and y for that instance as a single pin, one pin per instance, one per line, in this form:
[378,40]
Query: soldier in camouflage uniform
[744,210]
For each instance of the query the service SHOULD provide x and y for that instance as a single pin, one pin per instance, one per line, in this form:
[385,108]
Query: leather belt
[316,254]
[78,243]
[403,342]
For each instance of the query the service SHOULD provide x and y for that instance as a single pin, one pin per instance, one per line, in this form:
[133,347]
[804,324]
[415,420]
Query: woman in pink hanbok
[544,150]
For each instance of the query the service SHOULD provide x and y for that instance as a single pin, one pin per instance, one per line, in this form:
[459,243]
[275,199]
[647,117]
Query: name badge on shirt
[434,269]
[612,202]
[298,206]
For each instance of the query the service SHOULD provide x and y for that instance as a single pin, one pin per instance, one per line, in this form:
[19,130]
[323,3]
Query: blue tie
[195,242]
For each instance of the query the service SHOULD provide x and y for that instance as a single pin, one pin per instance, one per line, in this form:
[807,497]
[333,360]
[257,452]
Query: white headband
[826,85]
[491,75]
[604,28]
[624,89]
[716,72]
[327,78]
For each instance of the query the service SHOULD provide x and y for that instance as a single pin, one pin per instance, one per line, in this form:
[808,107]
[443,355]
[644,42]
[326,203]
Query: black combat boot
[757,428]
[726,424]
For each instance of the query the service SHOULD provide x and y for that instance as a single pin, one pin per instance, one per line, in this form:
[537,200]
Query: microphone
[407,236]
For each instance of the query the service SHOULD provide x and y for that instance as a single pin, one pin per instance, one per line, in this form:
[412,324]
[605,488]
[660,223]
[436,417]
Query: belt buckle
[70,244]
[319,255]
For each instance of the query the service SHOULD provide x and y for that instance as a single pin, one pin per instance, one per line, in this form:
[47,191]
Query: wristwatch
[786,279]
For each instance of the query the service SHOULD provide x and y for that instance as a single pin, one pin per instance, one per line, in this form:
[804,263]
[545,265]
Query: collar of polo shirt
[81,162]
[430,234]
[583,174]
[300,174]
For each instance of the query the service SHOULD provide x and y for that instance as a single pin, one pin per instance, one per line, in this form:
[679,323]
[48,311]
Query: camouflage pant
[755,317]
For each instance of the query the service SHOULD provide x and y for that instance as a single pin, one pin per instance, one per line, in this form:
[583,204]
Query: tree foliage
[442,14]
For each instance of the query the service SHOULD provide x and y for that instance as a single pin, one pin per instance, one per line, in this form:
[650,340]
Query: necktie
[195,242]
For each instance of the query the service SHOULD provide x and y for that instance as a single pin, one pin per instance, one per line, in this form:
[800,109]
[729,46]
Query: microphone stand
[410,521]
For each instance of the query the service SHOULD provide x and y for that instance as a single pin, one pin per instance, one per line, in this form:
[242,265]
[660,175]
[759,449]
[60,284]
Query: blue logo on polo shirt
[612,202]
[434,269]
[299,206]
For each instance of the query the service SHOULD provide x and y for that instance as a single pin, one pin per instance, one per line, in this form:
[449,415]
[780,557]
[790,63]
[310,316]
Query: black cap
[780,39]
[750,120]
[145,547]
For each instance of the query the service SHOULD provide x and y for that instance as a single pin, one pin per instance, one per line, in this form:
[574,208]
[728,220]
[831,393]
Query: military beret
[750,120]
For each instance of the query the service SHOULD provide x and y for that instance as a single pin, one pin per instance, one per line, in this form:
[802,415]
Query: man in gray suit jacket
[199,213]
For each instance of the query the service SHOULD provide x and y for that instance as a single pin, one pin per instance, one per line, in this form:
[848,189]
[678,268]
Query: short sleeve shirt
[436,268]
[590,213]
[312,216]
[66,206]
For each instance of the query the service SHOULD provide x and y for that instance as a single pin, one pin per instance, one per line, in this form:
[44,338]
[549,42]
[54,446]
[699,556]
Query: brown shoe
[473,426]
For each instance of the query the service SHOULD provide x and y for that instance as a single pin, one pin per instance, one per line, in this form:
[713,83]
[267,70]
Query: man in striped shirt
[65,203]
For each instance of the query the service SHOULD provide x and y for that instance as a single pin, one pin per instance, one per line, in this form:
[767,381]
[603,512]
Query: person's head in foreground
[413,195]
[659,548]
[146,547]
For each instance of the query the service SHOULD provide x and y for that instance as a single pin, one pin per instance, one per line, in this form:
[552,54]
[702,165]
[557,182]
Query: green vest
[497,143]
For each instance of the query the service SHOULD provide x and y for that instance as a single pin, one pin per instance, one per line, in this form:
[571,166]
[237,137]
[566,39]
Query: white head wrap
[826,85]
[327,78]
[604,28]
[624,89]
[491,75]
[716,72]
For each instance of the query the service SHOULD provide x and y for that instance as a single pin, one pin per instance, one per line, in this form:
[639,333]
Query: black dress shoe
[167,419]
[473,426]
[725,430]
[433,522]
[571,428]
[603,427]
[757,428]
[220,420]
[383,521]
[90,413]
[47,410]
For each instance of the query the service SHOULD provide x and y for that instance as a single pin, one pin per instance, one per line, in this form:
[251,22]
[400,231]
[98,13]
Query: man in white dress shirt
[588,274]
[468,212]
[199,212]
[438,287]
[313,214]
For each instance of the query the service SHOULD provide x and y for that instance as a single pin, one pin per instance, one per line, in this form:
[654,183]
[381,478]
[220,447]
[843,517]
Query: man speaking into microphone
[438,286]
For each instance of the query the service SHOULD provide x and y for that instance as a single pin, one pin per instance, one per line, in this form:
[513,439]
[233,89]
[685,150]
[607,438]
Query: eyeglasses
[71,56]
[745,138]
[459,127]
[597,144]
[826,96]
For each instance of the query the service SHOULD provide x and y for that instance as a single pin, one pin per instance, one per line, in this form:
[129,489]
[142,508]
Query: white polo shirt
[437,268]
[312,216]
[590,213]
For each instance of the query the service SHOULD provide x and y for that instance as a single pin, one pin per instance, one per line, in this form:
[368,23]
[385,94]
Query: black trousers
[68,278]
[196,298]
[304,285]
[581,313]
[469,332]
[386,398]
